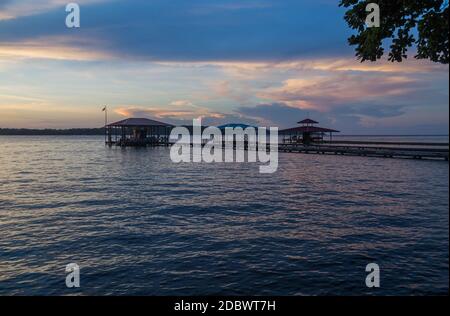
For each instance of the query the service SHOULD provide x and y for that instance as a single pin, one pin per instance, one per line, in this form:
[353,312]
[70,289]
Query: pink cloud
[181,111]
[322,93]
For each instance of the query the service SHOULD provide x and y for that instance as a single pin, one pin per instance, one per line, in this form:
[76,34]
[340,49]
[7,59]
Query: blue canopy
[234,125]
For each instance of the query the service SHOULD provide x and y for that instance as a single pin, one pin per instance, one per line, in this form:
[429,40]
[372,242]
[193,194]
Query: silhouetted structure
[306,133]
[138,132]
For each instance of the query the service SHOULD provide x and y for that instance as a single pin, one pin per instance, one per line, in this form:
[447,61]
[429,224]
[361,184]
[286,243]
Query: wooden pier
[412,150]
[148,142]
[372,149]
[308,139]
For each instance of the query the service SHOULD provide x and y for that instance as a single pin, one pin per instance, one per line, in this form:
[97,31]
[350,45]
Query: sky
[260,62]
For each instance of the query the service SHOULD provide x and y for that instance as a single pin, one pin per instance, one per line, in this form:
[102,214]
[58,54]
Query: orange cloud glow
[49,48]
[186,112]
[26,8]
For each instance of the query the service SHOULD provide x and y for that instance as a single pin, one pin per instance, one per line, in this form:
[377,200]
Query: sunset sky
[265,62]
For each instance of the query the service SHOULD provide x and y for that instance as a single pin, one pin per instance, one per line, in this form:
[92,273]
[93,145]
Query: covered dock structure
[138,132]
[309,138]
[307,133]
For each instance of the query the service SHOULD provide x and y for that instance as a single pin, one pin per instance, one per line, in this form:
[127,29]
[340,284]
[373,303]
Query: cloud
[345,99]
[185,116]
[227,89]
[177,112]
[385,117]
[277,114]
[11,9]
[352,65]
[50,48]
[323,93]
[174,31]
[207,9]
[182,103]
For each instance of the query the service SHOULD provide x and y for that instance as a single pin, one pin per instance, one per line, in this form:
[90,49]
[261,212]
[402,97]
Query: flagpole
[106,123]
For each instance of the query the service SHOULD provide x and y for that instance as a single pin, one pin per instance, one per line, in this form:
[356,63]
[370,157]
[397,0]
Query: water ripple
[139,225]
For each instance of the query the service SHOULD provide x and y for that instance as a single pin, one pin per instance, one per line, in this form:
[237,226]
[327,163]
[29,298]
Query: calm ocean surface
[137,224]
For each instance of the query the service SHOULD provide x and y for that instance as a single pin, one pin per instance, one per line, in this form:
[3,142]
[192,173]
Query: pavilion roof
[308,121]
[138,122]
[308,129]
[235,125]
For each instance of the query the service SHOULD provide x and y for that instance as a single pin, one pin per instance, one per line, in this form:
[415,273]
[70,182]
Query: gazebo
[306,133]
[138,132]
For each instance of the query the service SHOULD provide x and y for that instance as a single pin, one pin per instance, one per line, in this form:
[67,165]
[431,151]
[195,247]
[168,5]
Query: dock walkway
[373,149]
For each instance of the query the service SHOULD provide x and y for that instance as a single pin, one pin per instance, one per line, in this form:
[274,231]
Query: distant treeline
[71,131]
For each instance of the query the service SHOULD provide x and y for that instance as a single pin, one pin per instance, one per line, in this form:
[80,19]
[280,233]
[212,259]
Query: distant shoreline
[52,132]
[101,132]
